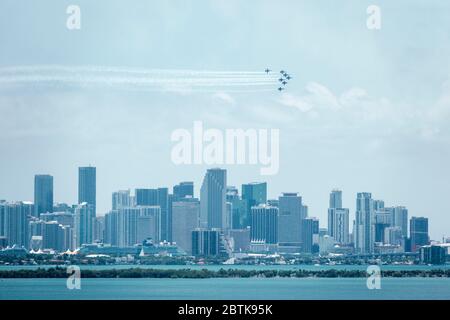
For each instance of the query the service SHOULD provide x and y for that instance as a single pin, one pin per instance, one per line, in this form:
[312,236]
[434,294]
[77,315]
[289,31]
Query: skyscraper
[206,242]
[264,225]
[238,208]
[185,219]
[121,199]
[156,197]
[290,218]
[419,232]
[335,199]
[254,194]
[84,224]
[310,235]
[183,189]
[43,194]
[17,223]
[87,186]
[364,224]
[338,218]
[213,198]
[400,219]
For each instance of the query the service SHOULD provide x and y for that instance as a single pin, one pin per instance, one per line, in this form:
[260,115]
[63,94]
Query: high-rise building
[2,218]
[156,197]
[238,208]
[146,197]
[418,233]
[121,199]
[84,224]
[264,224]
[340,224]
[185,219]
[335,199]
[400,219]
[206,242]
[183,190]
[382,220]
[290,218]
[213,198]
[87,187]
[112,228]
[364,223]
[149,223]
[17,217]
[253,194]
[310,235]
[43,194]
[393,236]
[338,218]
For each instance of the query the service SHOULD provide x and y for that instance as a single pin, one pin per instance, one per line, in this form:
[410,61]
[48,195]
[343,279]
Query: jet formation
[283,80]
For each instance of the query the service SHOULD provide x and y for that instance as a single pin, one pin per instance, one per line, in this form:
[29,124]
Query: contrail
[133,78]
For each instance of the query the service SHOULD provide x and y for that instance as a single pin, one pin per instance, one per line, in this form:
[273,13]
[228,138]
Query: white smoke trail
[127,78]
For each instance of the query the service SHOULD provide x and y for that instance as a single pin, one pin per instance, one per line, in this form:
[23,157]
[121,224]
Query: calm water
[239,288]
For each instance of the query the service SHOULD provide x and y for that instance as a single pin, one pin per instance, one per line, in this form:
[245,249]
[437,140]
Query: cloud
[224,97]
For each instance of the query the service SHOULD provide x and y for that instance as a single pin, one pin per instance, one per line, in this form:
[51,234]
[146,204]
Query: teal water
[235,289]
[240,267]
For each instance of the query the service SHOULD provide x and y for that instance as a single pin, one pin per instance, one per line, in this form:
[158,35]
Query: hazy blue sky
[367,110]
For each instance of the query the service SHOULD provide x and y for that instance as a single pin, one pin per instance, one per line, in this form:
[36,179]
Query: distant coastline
[59,272]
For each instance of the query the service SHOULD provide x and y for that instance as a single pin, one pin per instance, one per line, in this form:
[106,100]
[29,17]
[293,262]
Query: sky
[366,110]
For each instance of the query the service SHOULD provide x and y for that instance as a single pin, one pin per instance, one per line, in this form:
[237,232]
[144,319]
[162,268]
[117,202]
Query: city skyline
[373,116]
[151,196]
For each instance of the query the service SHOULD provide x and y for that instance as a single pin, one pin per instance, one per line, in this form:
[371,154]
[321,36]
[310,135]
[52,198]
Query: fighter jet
[280,89]
[267,70]
[282,72]
[281,79]
[288,77]
[284,83]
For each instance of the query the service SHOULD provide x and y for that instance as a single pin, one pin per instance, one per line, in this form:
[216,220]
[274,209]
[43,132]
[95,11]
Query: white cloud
[224,97]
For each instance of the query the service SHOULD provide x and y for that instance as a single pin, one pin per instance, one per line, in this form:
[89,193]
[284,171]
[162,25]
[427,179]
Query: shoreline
[187,273]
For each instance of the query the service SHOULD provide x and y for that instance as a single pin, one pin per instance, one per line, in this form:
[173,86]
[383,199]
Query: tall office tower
[418,232]
[335,199]
[87,187]
[17,216]
[127,225]
[340,224]
[310,235]
[382,220]
[54,236]
[238,208]
[99,229]
[146,197]
[183,190]
[84,224]
[400,219]
[364,225]
[290,222]
[213,198]
[335,202]
[2,218]
[205,242]
[378,205]
[112,228]
[264,224]
[254,194]
[393,236]
[43,194]
[185,219]
[149,224]
[121,199]
[156,197]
